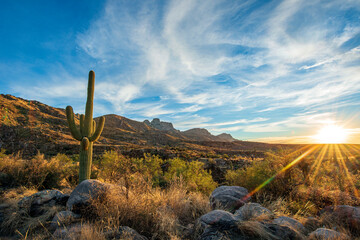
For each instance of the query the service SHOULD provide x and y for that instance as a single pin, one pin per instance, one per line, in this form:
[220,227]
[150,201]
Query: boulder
[347,216]
[63,218]
[86,191]
[4,207]
[290,222]
[327,234]
[252,230]
[213,233]
[124,232]
[218,218]
[252,211]
[311,224]
[229,198]
[282,232]
[35,203]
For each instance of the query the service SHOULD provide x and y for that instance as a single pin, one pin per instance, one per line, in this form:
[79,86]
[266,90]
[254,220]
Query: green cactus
[88,132]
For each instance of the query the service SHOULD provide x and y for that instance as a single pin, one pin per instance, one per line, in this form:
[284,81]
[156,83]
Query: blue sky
[274,71]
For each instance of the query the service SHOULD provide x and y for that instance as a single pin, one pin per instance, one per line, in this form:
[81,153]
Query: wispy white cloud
[281,62]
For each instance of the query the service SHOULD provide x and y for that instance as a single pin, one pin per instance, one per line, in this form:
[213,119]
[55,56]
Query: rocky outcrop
[35,203]
[160,125]
[229,198]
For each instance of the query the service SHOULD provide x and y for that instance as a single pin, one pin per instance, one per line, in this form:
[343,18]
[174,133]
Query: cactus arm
[98,130]
[85,143]
[89,105]
[82,119]
[70,118]
[94,127]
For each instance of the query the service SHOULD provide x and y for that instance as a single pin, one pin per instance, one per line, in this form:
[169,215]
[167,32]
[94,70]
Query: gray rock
[229,197]
[290,222]
[282,232]
[311,224]
[327,234]
[347,216]
[63,218]
[252,231]
[124,232]
[41,198]
[252,211]
[218,218]
[86,191]
[35,203]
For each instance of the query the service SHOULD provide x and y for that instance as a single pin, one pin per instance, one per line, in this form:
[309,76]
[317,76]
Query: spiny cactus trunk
[88,132]
[85,162]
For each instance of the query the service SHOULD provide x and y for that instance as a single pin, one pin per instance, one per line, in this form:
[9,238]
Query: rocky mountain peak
[198,131]
[226,137]
[160,125]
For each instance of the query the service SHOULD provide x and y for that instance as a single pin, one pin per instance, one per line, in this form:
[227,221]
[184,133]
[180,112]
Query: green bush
[150,167]
[252,176]
[115,167]
[192,173]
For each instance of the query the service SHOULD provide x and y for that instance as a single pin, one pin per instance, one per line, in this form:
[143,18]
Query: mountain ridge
[197,134]
[30,126]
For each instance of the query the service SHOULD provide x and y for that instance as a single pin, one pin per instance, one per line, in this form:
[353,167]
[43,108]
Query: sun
[331,134]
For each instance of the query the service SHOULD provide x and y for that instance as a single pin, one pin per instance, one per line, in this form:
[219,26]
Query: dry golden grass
[161,214]
[17,220]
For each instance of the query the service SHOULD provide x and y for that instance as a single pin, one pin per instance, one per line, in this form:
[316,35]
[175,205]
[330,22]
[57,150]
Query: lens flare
[331,134]
[295,161]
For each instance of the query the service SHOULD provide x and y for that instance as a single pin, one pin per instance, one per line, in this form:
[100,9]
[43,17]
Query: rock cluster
[234,217]
[67,224]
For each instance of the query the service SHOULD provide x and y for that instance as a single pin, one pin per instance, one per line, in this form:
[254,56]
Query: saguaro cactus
[88,132]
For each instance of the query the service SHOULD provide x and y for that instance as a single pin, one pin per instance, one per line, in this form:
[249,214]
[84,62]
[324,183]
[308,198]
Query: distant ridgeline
[197,134]
[30,126]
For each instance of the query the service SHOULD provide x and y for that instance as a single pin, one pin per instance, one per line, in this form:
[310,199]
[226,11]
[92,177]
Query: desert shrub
[115,167]
[309,184]
[150,168]
[252,176]
[38,172]
[273,173]
[193,174]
